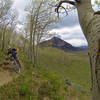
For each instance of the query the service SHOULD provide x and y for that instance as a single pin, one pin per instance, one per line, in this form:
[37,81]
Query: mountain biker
[13,52]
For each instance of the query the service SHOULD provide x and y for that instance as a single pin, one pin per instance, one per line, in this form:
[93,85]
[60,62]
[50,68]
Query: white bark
[90,24]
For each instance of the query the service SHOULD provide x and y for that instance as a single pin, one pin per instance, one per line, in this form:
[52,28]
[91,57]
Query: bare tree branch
[61,2]
[66,1]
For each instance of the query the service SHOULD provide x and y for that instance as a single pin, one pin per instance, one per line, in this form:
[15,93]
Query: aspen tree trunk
[10,35]
[90,24]
[34,35]
[31,34]
[3,38]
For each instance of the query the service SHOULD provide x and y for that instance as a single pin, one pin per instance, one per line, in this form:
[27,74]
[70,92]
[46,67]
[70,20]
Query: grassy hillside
[46,82]
[69,66]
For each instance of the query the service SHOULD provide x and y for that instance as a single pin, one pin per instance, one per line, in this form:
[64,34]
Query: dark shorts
[16,57]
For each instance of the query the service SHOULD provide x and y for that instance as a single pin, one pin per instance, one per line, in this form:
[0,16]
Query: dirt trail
[5,77]
[7,74]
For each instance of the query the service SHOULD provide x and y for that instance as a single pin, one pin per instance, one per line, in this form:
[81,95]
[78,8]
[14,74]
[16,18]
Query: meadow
[69,66]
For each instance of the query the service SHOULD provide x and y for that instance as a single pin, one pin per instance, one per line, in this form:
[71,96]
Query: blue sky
[67,28]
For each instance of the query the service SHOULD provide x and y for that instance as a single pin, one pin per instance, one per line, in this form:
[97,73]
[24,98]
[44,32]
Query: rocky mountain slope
[61,44]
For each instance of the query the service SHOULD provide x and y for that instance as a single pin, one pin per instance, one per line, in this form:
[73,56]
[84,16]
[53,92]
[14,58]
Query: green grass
[34,84]
[69,66]
[2,56]
[47,81]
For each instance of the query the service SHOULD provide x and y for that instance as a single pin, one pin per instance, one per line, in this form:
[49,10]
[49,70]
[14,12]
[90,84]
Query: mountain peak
[54,38]
[60,44]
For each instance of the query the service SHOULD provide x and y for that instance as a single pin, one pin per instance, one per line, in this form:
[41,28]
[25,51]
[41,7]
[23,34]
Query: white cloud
[72,35]
[59,31]
[92,1]
[77,42]
[20,5]
[67,30]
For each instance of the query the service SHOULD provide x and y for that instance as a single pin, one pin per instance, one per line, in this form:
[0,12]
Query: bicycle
[16,64]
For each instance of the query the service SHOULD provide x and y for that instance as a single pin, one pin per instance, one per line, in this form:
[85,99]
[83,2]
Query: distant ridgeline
[61,44]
